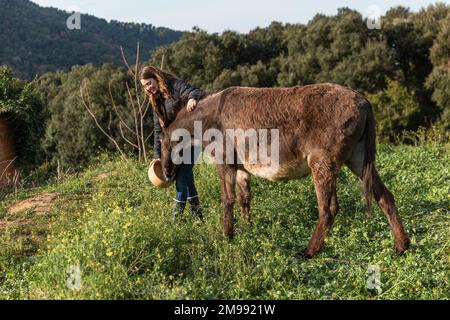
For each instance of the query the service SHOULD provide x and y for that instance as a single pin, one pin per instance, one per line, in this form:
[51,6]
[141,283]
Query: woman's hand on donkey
[191,105]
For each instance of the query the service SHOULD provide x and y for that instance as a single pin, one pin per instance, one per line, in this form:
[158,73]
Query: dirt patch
[102,176]
[39,204]
[15,223]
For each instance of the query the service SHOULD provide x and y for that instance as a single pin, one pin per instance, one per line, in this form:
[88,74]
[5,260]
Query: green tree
[333,49]
[196,57]
[366,69]
[36,40]
[439,79]
[411,35]
[394,108]
[211,61]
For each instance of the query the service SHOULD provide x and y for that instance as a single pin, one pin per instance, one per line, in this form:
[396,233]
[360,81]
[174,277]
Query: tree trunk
[7,153]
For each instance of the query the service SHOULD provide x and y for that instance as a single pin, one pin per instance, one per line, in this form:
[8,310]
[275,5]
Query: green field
[113,238]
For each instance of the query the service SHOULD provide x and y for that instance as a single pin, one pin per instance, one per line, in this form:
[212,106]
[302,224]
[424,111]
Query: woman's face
[150,85]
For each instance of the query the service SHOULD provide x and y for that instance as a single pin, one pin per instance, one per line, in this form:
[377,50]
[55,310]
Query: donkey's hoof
[401,247]
[309,254]
[229,236]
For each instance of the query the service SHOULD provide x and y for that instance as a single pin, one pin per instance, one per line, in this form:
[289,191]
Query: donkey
[321,128]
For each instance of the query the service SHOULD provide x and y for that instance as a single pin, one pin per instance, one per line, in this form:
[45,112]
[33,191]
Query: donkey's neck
[205,113]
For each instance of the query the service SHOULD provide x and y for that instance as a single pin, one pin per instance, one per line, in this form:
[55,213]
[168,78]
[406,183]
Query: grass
[114,238]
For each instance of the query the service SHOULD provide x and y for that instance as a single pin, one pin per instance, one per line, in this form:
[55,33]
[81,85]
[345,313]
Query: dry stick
[117,111]
[110,121]
[138,99]
[6,169]
[123,136]
[147,108]
[132,101]
[135,120]
[96,122]
[141,141]
[141,136]
[149,135]
[17,174]
[125,60]
[136,66]
[142,130]
[140,103]
[58,171]
[162,61]
[148,104]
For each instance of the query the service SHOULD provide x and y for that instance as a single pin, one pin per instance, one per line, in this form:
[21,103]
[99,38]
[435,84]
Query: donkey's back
[326,119]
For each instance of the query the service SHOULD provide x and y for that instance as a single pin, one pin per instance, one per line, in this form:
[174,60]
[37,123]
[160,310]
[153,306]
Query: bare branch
[17,174]
[162,61]
[149,135]
[110,121]
[125,60]
[147,108]
[117,111]
[6,169]
[95,119]
[123,136]
[135,119]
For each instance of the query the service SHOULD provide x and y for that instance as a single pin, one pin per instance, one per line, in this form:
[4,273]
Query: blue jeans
[185,184]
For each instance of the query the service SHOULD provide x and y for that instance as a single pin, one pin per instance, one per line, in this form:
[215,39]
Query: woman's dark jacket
[169,110]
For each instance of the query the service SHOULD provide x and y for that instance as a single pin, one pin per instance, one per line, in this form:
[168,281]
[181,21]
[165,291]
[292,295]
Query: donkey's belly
[284,171]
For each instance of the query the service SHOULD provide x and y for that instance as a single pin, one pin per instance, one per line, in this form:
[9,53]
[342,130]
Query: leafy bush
[394,109]
[26,115]
[439,79]
[439,82]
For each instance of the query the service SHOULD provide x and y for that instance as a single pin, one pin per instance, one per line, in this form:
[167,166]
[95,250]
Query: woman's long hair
[164,80]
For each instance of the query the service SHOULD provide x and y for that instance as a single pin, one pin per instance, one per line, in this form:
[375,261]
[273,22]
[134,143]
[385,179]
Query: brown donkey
[321,127]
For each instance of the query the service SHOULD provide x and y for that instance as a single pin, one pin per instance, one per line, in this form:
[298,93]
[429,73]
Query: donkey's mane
[205,95]
[209,93]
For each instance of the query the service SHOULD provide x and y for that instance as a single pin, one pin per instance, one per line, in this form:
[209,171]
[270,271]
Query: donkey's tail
[369,174]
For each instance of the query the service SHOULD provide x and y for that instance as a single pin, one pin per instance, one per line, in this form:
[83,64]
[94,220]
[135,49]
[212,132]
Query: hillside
[107,234]
[35,40]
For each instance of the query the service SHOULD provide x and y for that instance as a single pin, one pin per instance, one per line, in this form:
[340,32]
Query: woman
[164,91]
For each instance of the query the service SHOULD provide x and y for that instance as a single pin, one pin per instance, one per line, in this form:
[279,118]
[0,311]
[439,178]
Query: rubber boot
[196,209]
[178,209]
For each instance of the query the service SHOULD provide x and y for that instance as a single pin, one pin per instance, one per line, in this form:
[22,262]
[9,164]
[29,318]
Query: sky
[218,16]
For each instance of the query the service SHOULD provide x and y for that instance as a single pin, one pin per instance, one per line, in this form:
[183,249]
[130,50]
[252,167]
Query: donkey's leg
[227,176]
[386,202]
[324,176]
[243,182]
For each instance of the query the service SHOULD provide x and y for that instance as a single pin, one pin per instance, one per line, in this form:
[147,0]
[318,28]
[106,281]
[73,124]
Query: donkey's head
[176,140]
[168,166]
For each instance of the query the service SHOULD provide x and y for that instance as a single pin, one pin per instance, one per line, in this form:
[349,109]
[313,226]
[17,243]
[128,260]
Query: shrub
[26,113]
[394,109]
